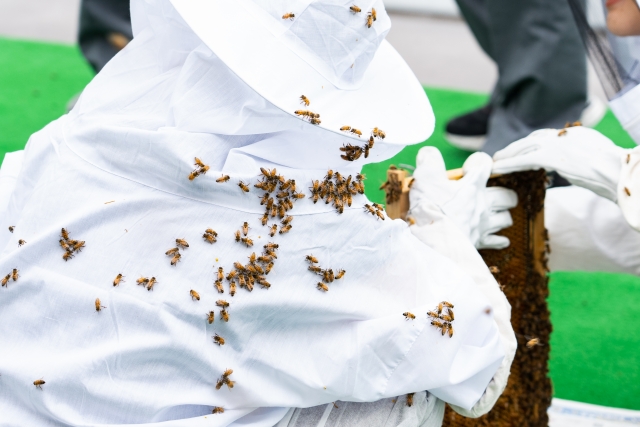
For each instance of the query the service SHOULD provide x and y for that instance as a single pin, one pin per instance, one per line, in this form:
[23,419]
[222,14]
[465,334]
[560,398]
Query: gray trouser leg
[541,63]
[98,19]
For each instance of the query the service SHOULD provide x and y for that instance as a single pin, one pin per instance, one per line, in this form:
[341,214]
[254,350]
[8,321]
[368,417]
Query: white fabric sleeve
[589,233]
[629,188]
[435,230]
[8,174]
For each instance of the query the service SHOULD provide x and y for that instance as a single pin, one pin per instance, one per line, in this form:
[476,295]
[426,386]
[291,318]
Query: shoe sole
[468,143]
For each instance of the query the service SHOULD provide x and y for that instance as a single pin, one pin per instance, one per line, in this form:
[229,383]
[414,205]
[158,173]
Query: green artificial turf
[596,338]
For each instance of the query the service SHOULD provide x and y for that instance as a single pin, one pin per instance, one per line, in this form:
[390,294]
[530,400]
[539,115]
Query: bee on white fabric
[409,315]
[289,16]
[243,186]
[12,227]
[224,315]
[222,303]
[99,306]
[21,242]
[5,279]
[533,342]
[194,295]
[223,178]
[245,228]
[182,243]
[211,316]
[369,21]
[218,339]
[217,410]
[304,100]
[355,9]
[151,283]
[321,286]
[39,383]
[173,251]
[219,287]
[176,258]
[118,279]
[410,399]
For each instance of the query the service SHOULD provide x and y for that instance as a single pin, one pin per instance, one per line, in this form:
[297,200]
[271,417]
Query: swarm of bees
[375,210]
[313,118]
[252,273]
[15,273]
[289,16]
[69,245]
[148,283]
[328,276]
[174,253]
[392,189]
[210,236]
[224,380]
[286,194]
[200,169]
[568,125]
[337,190]
[99,306]
[353,152]
[442,318]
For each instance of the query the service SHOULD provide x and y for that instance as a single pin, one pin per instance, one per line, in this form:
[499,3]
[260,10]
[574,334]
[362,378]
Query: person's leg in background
[105,28]
[541,61]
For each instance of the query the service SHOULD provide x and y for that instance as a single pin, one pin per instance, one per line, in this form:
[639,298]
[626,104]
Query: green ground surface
[596,338]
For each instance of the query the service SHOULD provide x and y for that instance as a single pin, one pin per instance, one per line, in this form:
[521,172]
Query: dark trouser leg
[104,26]
[541,63]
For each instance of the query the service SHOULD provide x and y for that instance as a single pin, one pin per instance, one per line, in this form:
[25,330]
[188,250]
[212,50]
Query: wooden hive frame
[521,271]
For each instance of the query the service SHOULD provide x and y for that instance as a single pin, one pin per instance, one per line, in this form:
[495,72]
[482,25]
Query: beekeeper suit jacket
[114,173]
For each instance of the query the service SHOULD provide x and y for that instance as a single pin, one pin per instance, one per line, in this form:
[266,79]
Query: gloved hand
[583,156]
[476,210]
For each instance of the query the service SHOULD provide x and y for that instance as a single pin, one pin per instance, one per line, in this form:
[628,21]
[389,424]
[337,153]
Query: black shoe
[469,131]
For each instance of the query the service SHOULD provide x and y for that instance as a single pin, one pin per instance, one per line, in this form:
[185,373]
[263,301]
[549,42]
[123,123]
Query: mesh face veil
[617,63]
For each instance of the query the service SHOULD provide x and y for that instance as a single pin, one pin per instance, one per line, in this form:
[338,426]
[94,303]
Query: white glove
[437,231]
[583,156]
[478,211]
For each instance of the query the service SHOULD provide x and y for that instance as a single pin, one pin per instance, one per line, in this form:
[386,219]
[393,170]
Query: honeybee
[285,229]
[446,317]
[176,259]
[247,241]
[410,399]
[182,243]
[211,231]
[355,9]
[229,383]
[5,279]
[379,133]
[243,186]
[432,314]
[224,315]
[287,220]
[563,132]
[222,303]
[356,132]
[304,100]
[409,315]
[289,15]
[264,219]
[64,245]
[77,246]
[99,307]
[370,209]
[438,324]
[366,151]
[440,307]
[345,129]
[371,142]
[223,178]
[142,281]
[327,276]
[217,409]
[218,285]
[198,162]
[194,174]
[172,251]
[65,234]
[329,175]
[322,287]
[232,288]
[274,229]
[219,384]
[374,14]
[447,304]
[238,266]
[12,227]
[268,268]
[209,238]
[39,383]
[311,259]
[118,279]
[194,295]
[211,316]
[67,255]
[264,284]
[627,191]
[369,21]
[271,246]
[315,269]
[151,283]
[533,342]
[21,242]
[340,274]
[449,328]
[450,313]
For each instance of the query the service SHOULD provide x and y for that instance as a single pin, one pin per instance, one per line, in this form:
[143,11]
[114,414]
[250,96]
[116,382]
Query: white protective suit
[114,174]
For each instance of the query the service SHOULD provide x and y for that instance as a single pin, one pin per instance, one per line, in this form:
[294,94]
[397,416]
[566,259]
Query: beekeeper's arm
[450,216]
[586,158]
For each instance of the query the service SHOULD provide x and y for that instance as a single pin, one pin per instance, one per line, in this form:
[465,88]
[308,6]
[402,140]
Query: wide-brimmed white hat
[322,49]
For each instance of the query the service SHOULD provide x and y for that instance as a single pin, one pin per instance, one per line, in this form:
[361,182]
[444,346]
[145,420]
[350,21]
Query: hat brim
[390,97]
